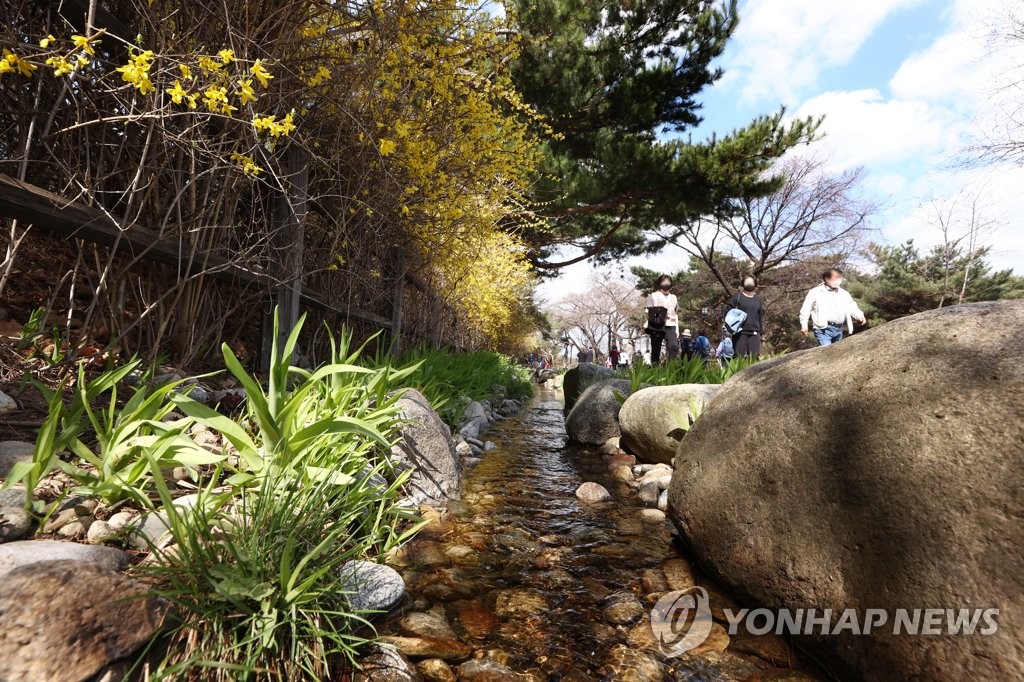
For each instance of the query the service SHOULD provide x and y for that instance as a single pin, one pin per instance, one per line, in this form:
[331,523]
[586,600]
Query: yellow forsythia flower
[245,92]
[61,66]
[387,147]
[45,42]
[214,96]
[186,71]
[227,56]
[283,127]
[84,44]
[263,123]
[177,93]
[260,72]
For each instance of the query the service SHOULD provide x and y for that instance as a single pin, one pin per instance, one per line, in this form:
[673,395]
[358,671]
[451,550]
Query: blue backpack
[734,320]
[702,346]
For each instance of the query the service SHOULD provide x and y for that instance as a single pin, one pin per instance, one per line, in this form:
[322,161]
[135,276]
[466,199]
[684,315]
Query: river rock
[651,515]
[64,621]
[371,586]
[426,647]
[622,473]
[474,419]
[648,493]
[435,670]
[100,532]
[594,417]
[427,624]
[626,663]
[653,420]
[15,523]
[150,529]
[426,447]
[720,666]
[899,488]
[21,553]
[592,492]
[622,608]
[519,603]
[12,452]
[14,497]
[663,501]
[7,403]
[385,664]
[577,379]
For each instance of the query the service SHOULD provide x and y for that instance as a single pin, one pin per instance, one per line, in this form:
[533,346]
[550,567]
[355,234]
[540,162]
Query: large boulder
[25,553]
[64,621]
[654,420]
[885,471]
[595,416]
[426,447]
[577,379]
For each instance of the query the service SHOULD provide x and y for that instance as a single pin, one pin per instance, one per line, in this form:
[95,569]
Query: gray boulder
[7,403]
[577,379]
[474,420]
[653,420]
[12,452]
[64,621]
[372,587]
[595,416]
[426,447]
[885,471]
[21,553]
[15,523]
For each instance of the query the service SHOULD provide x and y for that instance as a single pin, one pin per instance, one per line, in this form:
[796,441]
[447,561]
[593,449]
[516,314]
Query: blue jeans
[829,335]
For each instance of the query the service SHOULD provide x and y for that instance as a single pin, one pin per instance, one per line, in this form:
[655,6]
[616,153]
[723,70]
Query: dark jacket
[753,306]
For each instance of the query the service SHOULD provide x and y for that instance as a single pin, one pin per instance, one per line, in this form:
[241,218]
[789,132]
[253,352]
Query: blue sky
[904,85]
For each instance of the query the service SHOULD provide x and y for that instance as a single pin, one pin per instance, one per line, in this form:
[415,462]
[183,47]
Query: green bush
[693,370]
[449,379]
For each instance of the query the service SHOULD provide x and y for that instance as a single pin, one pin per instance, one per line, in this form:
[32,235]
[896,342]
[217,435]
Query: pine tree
[618,82]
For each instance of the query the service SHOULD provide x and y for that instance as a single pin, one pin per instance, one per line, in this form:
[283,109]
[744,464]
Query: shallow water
[522,570]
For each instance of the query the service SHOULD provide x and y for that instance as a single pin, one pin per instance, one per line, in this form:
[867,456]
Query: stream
[521,580]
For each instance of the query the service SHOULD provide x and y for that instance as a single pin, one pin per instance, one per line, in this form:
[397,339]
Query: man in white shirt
[661,297]
[830,309]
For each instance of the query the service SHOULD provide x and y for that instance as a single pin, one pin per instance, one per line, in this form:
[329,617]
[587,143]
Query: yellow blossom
[208,64]
[263,123]
[214,96]
[12,62]
[177,93]
[245,91]
[226,56]
[186,71]
[61,66]
[248,165]
[45,42]
[260,72]
[283,127]
[227,109]
[84,44]
[387,147]
[136,72]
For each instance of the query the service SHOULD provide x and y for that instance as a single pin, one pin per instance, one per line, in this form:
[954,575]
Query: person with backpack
[702,346]
[663,320]
[744,319]
[725,350]
[613,355]
[686,345]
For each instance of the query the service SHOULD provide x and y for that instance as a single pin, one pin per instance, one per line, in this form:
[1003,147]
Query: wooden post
[396,301]
[286,244]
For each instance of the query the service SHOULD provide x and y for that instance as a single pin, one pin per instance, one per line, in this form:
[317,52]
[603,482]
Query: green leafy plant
[254,568]
[116,469]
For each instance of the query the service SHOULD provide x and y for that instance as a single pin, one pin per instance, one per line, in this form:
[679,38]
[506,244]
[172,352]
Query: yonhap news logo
[681,621]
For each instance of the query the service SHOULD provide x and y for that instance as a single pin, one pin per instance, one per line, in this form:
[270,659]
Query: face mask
[665,286]
[748,286]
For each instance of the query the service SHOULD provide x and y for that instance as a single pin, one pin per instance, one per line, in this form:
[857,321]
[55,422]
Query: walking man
[830,309]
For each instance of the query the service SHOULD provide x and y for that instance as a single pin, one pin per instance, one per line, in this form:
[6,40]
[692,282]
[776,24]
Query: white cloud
[862,127]
[784,45]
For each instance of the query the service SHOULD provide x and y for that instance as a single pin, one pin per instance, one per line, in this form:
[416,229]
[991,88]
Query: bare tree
[610,310]
[816,211]
[962,224]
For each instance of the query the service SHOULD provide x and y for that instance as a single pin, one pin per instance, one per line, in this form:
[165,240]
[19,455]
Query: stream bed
[520,580]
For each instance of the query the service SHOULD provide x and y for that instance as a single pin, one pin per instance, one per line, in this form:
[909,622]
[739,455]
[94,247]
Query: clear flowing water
[529,582]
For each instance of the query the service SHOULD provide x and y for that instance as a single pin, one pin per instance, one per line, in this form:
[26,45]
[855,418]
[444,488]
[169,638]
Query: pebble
[592,492]
[120,519]
[652,515]
[623,608]
[12,452]
[100,532]
[7,403]
[15,523]
[622,473]
[435,670]
[371,586]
